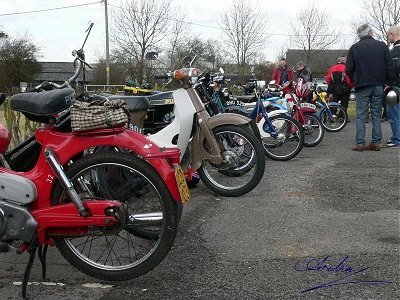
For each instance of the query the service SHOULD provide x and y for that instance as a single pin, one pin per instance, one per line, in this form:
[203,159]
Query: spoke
[113,240]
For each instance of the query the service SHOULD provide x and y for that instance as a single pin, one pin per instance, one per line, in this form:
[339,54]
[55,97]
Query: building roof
[59,72]
[320,62]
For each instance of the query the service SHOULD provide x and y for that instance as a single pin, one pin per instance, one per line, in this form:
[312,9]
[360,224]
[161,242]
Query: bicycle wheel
[115,253]
[313,130]
[335,122]
[244,162]
[289,141]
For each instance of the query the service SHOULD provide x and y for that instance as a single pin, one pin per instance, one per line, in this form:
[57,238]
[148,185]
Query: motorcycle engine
[16,223]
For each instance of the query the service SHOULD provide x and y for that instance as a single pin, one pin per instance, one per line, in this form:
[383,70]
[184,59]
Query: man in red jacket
[283,74]
[339,83]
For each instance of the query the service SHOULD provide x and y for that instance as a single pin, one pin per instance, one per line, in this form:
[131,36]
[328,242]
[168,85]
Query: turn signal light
[178,75]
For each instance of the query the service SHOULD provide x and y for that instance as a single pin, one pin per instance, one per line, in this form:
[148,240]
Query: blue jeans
[370,96]
[393,114]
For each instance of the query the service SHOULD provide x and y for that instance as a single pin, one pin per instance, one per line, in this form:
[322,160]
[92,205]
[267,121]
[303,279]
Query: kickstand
[42,251]
[32,253]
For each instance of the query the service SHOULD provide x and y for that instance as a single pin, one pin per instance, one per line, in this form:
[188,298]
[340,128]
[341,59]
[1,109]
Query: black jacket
[305,74]
[396,59]
[369,63]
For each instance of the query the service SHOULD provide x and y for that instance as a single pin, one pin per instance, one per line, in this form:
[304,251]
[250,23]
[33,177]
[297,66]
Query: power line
[42,10]
[220,28]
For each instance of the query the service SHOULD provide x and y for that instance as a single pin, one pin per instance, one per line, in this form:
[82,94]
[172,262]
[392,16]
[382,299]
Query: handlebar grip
[163,76]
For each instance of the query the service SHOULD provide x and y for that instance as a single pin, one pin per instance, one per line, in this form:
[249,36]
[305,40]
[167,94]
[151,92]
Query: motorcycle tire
[246,167]
[313,130]
[116,254]
[145,233]
[335,123]
[290,139]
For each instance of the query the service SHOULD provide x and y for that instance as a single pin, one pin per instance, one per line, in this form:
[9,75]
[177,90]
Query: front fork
[204,132]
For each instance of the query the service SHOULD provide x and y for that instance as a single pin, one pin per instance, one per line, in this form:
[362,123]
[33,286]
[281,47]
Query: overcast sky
[58,32]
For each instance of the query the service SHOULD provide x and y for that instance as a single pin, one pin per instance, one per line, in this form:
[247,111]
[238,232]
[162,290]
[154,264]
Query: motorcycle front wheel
[119,253]
[243,166]
[289,140]
[313,130]
[334,121]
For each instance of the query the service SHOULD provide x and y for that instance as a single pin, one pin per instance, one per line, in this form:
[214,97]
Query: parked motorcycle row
[110,199]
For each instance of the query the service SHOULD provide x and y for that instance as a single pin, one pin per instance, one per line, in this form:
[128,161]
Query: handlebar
[161,76]
[79,60]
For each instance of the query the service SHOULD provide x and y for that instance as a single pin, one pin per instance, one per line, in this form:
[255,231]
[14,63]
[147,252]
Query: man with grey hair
[370,67]
[393,110]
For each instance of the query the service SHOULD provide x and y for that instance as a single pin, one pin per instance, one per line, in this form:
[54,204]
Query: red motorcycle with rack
[96,208]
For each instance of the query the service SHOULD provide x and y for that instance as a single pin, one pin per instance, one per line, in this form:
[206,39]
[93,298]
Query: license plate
[234,103]
[310,105]
[182,185]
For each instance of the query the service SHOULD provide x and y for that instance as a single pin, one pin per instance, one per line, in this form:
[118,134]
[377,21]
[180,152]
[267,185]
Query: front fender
[227,119]
[278,112]
[330,104]
[305,109]
[68,145]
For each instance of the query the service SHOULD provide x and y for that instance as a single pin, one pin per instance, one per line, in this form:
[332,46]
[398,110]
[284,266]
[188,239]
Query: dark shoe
[358,148]
[373,147]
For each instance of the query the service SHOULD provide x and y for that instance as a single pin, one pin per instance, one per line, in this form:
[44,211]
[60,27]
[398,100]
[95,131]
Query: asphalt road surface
[324,225]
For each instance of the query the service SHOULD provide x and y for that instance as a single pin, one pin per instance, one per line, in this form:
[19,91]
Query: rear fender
[159,158]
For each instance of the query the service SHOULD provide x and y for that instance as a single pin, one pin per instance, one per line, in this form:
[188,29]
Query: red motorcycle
[303,112]
[99,209]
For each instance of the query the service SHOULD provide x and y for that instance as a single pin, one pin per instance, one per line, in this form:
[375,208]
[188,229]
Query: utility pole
[107,44]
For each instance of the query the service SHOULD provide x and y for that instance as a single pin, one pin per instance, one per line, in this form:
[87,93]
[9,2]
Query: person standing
[303,72]
[282,74]
[369,66]
[339,83]
[393,111]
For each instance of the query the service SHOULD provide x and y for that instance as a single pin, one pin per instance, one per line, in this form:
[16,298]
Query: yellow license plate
[182,185]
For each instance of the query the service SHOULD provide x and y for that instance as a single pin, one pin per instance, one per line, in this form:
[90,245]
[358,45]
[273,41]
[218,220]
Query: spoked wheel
[120,253]
[243,165]
[335,121]
[313,130]
[289,141]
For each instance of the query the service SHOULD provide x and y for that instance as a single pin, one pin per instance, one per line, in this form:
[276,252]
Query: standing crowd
[374,72]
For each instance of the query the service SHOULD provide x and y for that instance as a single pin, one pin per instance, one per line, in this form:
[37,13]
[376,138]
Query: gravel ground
[331,209]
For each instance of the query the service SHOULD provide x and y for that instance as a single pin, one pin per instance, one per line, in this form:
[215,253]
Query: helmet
[392,96]
[302,89]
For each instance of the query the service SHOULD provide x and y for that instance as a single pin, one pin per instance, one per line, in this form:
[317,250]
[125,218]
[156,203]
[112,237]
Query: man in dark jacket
[393,111]
[370,67]
[303,72]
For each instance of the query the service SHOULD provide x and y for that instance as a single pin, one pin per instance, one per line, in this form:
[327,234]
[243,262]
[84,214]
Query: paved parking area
[324,225]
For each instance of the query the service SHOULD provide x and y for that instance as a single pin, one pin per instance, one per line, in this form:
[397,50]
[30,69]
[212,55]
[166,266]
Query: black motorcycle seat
[133,103]
[43,105]
[246,99]
[161,96]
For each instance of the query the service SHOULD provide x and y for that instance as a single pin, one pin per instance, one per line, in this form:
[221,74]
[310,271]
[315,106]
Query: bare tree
[179,32]
[312,31]
[244,31]
[139,26]
[381,15]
